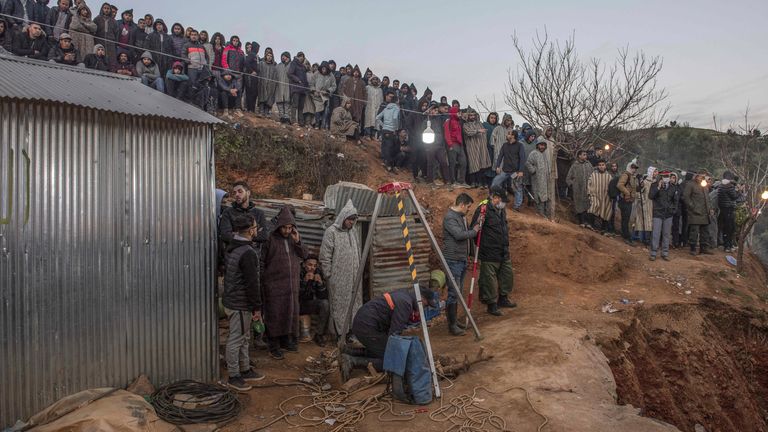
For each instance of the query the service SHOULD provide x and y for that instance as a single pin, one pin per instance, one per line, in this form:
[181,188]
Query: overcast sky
[715,52]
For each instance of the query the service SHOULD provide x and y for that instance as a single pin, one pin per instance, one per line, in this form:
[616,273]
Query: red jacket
[452,129]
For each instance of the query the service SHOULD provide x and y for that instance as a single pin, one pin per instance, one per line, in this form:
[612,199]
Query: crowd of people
[269,278]
[660,209]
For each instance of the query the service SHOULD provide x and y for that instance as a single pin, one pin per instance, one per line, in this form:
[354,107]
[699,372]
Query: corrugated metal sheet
[389,262]
[106,251]
[26,79]
[364,198]
[312,218]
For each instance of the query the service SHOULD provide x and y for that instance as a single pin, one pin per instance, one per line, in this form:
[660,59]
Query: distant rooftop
[34,80]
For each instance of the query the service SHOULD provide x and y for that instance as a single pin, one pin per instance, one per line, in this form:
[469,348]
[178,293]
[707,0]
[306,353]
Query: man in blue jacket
[389,118]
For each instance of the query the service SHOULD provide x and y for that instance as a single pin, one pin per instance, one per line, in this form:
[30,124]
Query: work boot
[706,251]
[450,313]
[693,250]
[493,309]
[505,303]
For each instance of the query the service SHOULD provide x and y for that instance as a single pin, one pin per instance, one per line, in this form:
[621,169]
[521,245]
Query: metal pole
[440,255]
[480,221]
[360,271]
[419,301]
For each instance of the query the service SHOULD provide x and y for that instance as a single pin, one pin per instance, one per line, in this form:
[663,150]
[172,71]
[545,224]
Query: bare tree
[745,154]
[589,102]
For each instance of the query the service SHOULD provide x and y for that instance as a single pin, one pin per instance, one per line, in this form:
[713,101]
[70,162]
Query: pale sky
[715,52]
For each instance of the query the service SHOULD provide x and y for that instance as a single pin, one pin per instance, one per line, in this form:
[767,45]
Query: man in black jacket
[665,197]
[728,198]
[22,12]
[242,194]
[241,300]
[457,246]
[159,42]
[32,43]
[496,277]
[297,76]
[376,321]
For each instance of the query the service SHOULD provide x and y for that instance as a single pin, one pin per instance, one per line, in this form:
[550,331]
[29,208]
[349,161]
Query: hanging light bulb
[607,147]
[764,196]
[428,136]
[704,183]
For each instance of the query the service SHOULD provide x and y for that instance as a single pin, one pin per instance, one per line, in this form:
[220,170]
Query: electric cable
[189,402]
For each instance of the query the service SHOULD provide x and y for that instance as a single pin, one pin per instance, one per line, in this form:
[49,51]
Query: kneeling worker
[376,321]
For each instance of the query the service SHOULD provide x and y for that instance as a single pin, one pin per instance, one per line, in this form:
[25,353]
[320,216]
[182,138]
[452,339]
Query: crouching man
[242,300]
[376,321]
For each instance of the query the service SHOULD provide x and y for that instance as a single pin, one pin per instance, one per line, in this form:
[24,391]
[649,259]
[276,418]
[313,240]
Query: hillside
[687,346]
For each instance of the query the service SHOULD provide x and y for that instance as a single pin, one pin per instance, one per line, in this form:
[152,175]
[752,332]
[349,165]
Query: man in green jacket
[697,206]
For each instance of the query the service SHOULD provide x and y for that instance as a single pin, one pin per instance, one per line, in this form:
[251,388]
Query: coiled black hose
[188,402]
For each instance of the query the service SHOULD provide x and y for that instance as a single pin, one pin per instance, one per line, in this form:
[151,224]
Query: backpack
[407,364]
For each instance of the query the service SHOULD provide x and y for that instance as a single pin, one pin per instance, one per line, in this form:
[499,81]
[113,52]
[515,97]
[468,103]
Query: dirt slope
[587,370]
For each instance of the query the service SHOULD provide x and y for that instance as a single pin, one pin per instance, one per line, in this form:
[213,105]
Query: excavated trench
[704,364]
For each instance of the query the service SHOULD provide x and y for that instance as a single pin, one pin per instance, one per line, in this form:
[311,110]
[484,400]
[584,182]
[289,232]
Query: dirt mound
[694,364]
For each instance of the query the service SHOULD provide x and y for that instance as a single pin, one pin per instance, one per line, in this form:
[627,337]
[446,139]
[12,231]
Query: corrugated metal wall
[106,252]
[389,262]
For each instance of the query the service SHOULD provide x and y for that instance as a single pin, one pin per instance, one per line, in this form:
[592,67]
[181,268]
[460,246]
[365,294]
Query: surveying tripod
[397,188]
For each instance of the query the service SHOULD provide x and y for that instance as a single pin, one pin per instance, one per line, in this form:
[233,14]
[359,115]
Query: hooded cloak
[340,260]
[281,263]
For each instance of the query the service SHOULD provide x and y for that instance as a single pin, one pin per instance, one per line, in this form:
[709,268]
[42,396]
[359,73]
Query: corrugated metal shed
[364,199]
[312,218]
[26,79]
[107,239]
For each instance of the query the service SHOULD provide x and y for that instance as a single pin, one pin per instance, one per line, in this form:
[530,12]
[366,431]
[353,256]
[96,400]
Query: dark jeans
[251,94]
[626,212]
[389,148]
[375,342]
[177,89]
[458,270]
[228,101]
[435,156]
[417,162]
[457,164]
[728,218]
[297,107]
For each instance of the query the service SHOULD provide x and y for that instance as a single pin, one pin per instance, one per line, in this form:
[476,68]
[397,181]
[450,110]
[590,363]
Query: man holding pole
[496,278]
[457,246]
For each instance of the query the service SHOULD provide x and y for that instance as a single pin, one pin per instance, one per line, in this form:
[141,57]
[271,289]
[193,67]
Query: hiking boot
[705,251]
[493,309]
[652,258]
[238,383]
[665,258]
[292,347]
[505,303]
[693,250]
[251,375]
[450,313]
[438,183]
[276,354]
